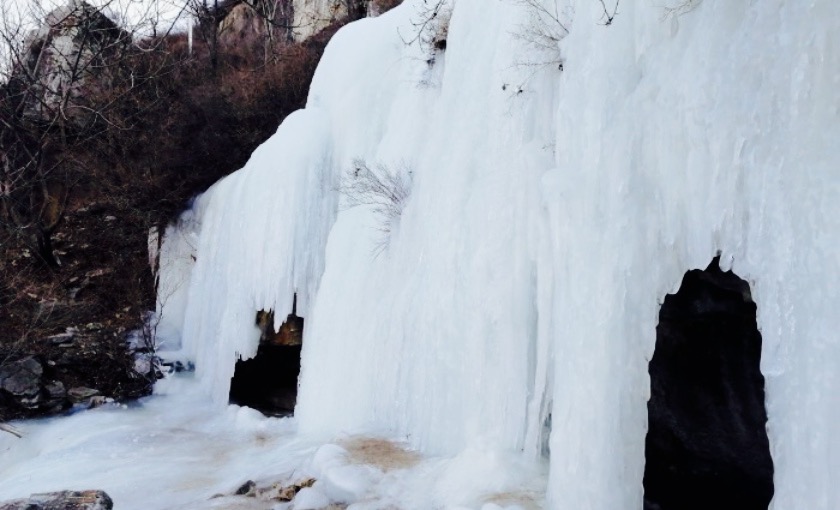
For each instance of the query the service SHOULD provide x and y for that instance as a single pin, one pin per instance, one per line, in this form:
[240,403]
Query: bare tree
[67,76]
[207,14]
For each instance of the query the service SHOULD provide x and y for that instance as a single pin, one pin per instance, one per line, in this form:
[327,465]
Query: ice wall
[676,137]
[550,212]
[250,243]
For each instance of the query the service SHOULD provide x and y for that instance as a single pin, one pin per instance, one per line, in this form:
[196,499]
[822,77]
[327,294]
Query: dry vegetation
[168,121]
[384,189]
[378,7]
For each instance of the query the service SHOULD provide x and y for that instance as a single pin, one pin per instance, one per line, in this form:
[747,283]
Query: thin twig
[609,17]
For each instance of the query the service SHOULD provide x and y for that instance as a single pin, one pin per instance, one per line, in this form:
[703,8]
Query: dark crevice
[268,382]
[707,445]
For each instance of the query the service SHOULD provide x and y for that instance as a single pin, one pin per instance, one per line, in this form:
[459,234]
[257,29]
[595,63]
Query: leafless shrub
[384,190]
[679,8]
[547,25]
[608,15]
[431,27]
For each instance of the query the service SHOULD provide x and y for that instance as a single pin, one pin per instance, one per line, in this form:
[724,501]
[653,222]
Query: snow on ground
[176,451]
[171,450]
[513,305]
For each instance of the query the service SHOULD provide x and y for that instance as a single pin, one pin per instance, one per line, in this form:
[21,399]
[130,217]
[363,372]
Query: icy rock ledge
[64,500]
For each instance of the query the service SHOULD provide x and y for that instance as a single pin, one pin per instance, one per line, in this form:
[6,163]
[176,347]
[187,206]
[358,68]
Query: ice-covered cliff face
[549,214]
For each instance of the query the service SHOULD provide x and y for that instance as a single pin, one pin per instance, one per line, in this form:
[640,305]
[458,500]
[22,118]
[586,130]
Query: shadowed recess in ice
[707,445]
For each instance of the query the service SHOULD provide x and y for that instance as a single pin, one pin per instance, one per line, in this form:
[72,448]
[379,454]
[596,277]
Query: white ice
[550,212]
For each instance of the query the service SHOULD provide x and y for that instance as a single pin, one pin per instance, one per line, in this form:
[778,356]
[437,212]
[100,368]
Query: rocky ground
[65,323]
[65,500]
[63,332]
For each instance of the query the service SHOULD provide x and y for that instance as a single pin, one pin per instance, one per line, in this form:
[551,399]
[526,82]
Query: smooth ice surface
[549,214]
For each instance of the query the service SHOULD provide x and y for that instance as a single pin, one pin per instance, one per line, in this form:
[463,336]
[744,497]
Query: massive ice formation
[550,213]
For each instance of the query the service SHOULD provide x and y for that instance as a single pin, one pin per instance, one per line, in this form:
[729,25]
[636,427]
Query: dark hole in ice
[707,445]
[268,381]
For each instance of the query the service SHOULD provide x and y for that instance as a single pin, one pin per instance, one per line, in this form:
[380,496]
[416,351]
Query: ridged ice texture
[678,137]
[550,214]
[257,237]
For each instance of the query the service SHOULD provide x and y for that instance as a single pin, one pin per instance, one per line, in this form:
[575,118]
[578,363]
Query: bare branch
[545,28]
[608,16]
[384,190]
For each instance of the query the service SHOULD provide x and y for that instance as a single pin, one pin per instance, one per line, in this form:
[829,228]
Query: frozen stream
[176,450]
[172,449]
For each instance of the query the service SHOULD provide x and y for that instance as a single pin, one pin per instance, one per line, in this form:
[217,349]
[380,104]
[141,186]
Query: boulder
[242,23]
[55,390]
[22,381]
[56,396]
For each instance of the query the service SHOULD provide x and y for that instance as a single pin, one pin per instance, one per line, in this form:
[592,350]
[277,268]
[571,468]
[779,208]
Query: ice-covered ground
[176,451]
[171,450]
[513,304]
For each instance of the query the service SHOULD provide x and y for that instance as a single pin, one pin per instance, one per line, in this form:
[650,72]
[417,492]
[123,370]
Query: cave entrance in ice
[707,445]
[268,381]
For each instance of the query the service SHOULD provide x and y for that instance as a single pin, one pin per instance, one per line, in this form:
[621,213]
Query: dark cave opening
[268,382]
[707,445]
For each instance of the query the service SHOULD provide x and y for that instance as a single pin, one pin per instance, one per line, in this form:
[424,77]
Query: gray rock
[80,393]
[22,379]
[64,500]
[18,504]
[71,38]
[246,489]
[56,397]
[56,390]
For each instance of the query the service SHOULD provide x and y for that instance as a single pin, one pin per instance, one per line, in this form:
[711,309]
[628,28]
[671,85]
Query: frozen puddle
[177,450]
